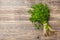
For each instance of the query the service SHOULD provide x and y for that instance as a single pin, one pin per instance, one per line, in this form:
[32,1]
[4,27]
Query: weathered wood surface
[15,24]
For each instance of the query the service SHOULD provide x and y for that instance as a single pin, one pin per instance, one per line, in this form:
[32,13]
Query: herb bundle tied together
[40,14]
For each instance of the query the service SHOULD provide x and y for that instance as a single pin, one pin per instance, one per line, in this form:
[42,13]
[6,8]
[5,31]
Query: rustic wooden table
[15,24]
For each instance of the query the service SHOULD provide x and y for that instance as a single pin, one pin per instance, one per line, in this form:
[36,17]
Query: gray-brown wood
[15,24]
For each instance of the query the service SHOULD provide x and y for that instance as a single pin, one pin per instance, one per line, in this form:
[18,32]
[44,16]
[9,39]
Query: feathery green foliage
[40,14]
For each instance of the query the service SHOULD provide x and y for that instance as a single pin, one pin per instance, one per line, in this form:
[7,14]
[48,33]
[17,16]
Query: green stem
[47,30]
[46,26]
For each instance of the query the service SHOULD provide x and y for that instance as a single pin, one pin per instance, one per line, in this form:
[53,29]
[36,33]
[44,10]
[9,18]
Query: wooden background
[15,24]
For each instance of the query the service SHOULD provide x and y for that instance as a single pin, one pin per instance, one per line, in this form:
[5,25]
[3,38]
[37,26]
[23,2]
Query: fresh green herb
[40,15]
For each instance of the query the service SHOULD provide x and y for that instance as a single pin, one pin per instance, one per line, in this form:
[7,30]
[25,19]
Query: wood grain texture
[15,24]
